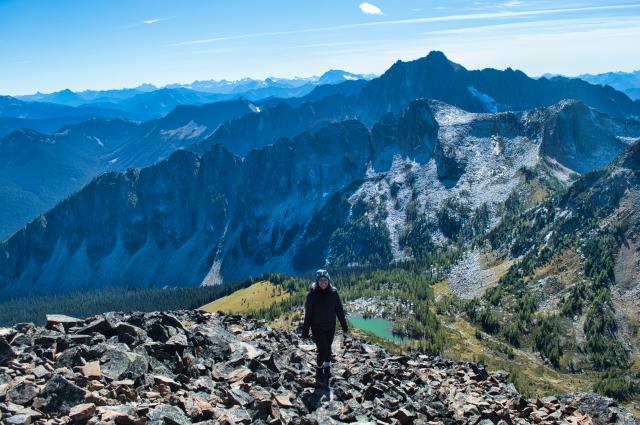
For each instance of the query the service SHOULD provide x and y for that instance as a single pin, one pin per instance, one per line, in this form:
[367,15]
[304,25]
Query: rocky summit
[189,367]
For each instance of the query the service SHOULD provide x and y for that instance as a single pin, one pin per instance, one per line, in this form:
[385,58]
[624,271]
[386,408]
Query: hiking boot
[320,377]
[327,376]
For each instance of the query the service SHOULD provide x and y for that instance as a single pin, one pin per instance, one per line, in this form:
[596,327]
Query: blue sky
[98,44]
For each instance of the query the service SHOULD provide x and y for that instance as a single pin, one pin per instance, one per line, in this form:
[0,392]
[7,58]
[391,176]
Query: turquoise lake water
[377,326]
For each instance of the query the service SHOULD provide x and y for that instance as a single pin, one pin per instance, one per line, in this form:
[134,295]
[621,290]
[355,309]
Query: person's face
[323,282]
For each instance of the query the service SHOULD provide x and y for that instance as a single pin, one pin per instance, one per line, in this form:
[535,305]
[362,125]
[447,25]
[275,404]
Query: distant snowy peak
[618,80]
[334,76]
[626,82]
[147,101]
[337,76]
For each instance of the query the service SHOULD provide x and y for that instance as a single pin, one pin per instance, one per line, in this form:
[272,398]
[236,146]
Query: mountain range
[336,176]
[10,107]
[39,170]
[432,77]
[342,194]
[626,82]
[149,102]
[246,125]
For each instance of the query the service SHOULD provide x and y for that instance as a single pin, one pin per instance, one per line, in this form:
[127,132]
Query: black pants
[323,339]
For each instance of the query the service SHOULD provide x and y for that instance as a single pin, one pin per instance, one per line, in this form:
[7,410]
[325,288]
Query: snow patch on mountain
[627,140]
[98,141]
[489,103]
[491,163]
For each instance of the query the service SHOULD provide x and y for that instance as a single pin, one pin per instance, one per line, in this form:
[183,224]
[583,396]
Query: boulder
[171,415]
[6,352]
[119,365]
[59,395]
[22,393]
[60,319]
[82,412]
[92,370]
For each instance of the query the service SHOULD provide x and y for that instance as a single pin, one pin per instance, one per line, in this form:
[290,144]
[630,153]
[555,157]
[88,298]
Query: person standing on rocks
[320,310]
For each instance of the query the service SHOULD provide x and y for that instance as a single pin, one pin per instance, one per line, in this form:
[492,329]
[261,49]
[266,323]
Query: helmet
[322,273]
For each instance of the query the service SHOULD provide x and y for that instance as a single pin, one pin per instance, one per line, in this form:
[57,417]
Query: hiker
[320,310]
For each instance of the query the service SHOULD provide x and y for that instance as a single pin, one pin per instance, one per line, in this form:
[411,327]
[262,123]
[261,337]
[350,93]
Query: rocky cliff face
[580,138]
[189,367]
[38,170]
[292,205]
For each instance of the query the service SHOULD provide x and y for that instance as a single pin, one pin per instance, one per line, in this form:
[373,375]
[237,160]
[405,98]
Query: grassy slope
[259,295]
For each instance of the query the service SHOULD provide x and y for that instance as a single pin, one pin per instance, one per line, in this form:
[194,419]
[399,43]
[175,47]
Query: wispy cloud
[542,27]
[412,21]
[370,9]
[149,22]
[513,3]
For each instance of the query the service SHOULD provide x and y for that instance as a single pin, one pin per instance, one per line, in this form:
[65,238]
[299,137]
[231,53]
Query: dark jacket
[321,309]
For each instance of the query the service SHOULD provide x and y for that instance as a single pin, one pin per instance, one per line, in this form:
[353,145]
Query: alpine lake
[379,327]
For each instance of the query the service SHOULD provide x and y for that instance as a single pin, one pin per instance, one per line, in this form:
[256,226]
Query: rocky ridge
[218,217]
[188,367]
[39,170]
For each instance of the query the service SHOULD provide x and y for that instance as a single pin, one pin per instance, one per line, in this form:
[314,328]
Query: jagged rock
[212,343]
[601,409]
[404,416]
[82,412]
[171,320]
[166,381]
[40,372]
[171,415]
[117,414]
[122,364]
[178,341]
[71,357]
[241,374]
[196,408]
[22,393]
[92,370]
[59,395]
[47,337]
[261,395]
[60,319]
[158,332]
[6,352]
[100,325]
[236,396]
[19,420]
[124,328]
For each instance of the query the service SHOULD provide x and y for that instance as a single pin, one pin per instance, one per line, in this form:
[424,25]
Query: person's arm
[340,314]
[307,316]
